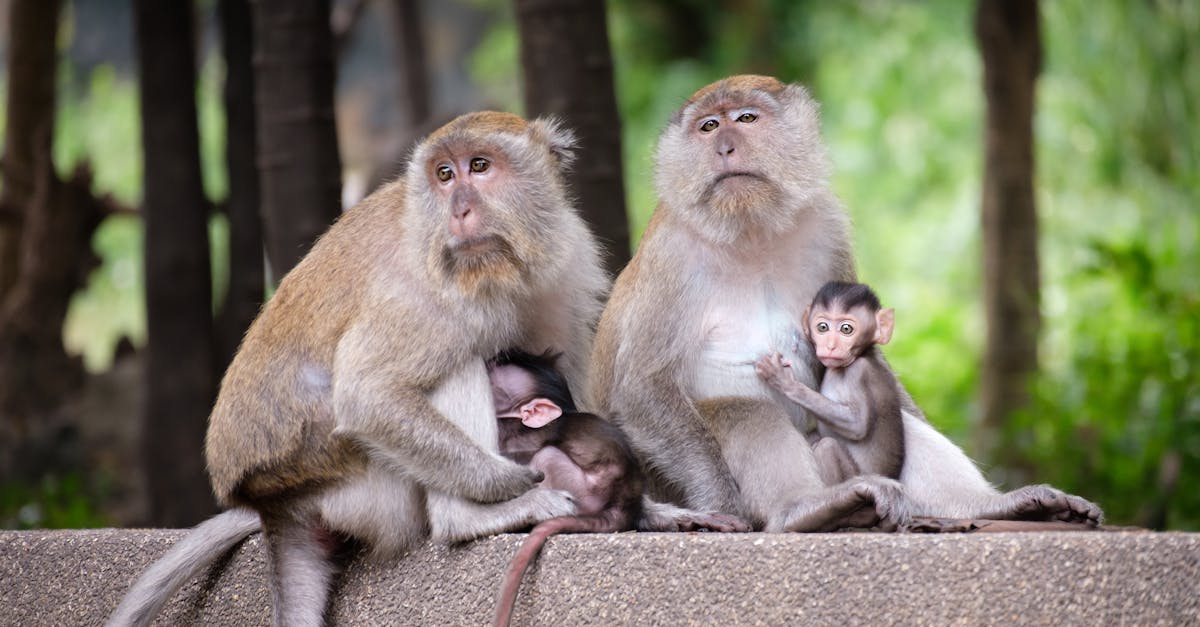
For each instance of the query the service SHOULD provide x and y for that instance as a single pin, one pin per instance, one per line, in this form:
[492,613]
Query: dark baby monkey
[858,408]
[577,452]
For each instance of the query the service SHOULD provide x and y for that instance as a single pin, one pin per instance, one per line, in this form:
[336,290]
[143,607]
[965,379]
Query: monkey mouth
[732,174]
[479,260]
[480,245]
[833,361]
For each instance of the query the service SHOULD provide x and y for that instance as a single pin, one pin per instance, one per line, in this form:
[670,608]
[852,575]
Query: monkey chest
[737,330]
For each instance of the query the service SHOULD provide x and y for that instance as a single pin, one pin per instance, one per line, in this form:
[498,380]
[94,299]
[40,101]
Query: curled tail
[202,546]
[529,550]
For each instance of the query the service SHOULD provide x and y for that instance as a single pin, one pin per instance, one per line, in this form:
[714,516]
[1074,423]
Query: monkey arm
[670,434]
[424,445]
[438,430]
[850,420]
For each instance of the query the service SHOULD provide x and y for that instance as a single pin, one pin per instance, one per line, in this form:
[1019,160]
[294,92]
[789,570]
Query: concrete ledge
[77,577]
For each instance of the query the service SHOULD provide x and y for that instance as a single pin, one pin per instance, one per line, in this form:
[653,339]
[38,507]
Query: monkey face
[839,336]
[741,156]
[491,203]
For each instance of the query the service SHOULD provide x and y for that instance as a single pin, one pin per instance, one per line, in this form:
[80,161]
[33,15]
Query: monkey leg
[861,502]
[943,482]
[1043,503]
[562,473]
[657,516]
[453,519]
[380,507]
[300,562]
[834,461]
[770,460]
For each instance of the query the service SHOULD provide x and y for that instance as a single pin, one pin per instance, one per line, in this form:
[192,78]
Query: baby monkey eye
[709,125]
[846,328]
[747,117]
[444,173]
[479,164]
[822,327]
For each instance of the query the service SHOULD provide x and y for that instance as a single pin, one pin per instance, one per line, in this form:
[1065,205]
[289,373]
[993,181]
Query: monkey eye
[444,173]
[747,117]
[479,164]
[708,125]
[846,328]
[822,327]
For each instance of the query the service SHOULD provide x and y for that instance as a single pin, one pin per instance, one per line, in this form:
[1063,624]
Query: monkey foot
[710,521]
[929,524]
[1048,504]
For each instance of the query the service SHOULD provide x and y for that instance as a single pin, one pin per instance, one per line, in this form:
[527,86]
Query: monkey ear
[804,323]
[885,322]
[539,412]
[558,137]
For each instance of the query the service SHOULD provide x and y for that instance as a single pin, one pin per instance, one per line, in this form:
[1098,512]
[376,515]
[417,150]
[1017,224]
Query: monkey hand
[774,370]
[546,503]
[506,481]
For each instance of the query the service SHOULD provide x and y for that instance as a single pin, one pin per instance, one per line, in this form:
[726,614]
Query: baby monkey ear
[885,322]
[804,318]
[539,412]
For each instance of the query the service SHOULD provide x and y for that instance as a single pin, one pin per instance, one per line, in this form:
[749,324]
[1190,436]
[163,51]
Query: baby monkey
[858,408]
[577,452]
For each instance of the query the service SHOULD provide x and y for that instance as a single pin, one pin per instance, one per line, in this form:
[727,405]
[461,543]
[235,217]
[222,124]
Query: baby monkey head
[844,320]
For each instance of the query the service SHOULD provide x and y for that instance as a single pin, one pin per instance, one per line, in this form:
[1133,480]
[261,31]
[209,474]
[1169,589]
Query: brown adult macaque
[359,404]
[746,232]
[859,421]
[577,452]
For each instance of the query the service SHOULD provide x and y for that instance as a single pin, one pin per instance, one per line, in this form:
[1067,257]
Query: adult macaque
[858,407]
[577,452]
[745,233]
[359,404]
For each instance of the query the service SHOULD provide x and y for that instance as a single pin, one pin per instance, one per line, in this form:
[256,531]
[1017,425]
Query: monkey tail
[203,545]
[529,550]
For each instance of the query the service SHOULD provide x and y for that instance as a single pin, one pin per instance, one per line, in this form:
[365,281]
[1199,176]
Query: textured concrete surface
[77,577]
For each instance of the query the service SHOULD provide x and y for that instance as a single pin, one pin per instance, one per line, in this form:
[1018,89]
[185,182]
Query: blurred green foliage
[1116,415]
[98,123]
[66,502]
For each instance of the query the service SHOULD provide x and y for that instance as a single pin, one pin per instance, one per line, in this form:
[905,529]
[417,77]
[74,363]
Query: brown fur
[358,404]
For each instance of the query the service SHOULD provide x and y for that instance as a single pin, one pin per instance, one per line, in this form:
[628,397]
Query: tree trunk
[410,64]
[35,287]
[415,117]
[180,381]
[1010,44]
[246,279]
[568,72]
[297,140]
[29,129]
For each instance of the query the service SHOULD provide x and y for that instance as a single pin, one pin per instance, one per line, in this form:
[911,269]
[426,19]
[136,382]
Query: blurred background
[1048,310]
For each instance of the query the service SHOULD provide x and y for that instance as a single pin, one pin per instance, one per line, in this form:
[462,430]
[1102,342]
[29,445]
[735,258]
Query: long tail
[529,550]
[208,541]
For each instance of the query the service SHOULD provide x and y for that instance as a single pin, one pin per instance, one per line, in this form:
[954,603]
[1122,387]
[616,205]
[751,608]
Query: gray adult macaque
[359,404]
[860,426]
[746,232]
